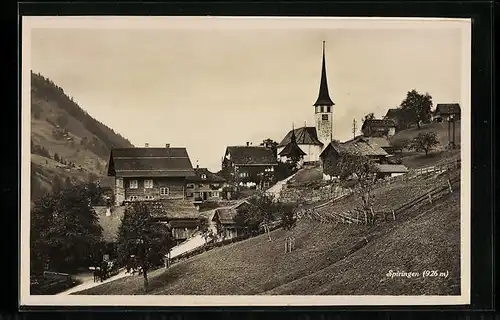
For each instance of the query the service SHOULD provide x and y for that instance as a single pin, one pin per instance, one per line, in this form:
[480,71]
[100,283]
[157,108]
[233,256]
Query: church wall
[313,152]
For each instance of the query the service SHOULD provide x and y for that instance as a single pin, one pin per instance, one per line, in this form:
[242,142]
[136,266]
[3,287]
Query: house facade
[249,166]
[204,186]
[223,219]
[378,128]
[149,173]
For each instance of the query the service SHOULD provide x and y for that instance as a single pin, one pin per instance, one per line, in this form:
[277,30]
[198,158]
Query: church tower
[323,108]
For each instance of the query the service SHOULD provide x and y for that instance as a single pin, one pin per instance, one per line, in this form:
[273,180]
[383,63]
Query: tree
[62,120]
[64,229]
[271,144]
[416,107]
[364,169]
[56,157]
[399,144]
[370,116]
[143,239]
[424,142]
[288,219]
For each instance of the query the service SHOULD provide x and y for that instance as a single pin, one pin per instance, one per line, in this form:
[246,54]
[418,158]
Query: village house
[223,219]
[157,176]
[149,173]
[395,114]
[204,186]
[378,128]
[249,166]
[313,140]
[446,112]
[359,146]
[364,147]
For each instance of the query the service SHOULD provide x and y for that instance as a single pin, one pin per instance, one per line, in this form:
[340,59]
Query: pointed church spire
[293,138]
[324,96]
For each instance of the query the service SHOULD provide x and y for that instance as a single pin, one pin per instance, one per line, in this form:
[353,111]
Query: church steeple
[323,96]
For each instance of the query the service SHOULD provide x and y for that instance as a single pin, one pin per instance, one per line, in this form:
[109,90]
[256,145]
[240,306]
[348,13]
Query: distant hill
[67,144]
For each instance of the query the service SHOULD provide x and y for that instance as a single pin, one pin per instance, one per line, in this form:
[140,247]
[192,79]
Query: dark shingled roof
[210,176]
[378,123]
[226,215]
[150,162]
[447,108]
[304,135]
[360,146]
[323,96]
[175,210]
[246,155]
[393,113]
[292,149]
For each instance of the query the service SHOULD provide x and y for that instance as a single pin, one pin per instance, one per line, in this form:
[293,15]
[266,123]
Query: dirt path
[88,282]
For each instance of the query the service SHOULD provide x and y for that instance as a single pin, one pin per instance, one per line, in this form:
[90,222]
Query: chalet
[378,128]
[447,112]
[292,151]
[360,146]
[249,165]
[224,219]
[204,186]
[394,114]
[149,173]
[180,215]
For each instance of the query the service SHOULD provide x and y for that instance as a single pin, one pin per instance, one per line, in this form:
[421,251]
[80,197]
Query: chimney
[248,143]
[167,145]
[146,145]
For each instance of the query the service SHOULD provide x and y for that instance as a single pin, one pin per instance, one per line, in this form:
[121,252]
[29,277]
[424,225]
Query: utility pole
[354,128]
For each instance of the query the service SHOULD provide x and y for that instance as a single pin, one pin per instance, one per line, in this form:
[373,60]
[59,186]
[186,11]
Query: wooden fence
[360,216]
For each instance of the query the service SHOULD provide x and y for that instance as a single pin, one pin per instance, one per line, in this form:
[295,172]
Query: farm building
[447,112]
[250,166]
[204,186]
[378,128]
[360,146]
[390,170]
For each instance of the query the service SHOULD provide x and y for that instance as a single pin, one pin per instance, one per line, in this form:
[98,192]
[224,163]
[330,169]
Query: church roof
[323,96]
[304,135]
[292,149]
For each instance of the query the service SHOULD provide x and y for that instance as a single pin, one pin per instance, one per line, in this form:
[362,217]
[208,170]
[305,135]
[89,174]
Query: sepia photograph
[223,161]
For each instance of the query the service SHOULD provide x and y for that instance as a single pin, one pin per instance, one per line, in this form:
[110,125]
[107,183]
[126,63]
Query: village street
[88,282]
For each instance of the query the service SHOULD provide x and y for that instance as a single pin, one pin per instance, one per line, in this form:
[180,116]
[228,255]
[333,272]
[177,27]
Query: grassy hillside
[327,260]
[416,160]
[66,142]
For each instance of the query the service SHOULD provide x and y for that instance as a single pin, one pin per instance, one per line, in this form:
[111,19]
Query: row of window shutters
[148,184]
[195,195]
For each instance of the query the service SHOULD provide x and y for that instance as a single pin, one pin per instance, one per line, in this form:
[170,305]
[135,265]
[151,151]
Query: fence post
[373,214]
[430,197]
[449,186]
[393,215]
[366,217]
[357,217]
[286,245]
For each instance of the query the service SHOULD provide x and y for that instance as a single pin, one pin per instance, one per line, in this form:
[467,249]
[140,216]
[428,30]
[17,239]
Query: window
[119,183]
[190,185]
[215,194]
[321,109]
[148,184]
[266,184]
[132,198]
[270,169]
[243,174]
[203,176]
[324,117]
[189,194]
[133,184]
[164,191]
[149,197]
[328,109]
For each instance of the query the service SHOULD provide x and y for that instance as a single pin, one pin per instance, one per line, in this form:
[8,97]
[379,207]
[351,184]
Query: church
[311,140]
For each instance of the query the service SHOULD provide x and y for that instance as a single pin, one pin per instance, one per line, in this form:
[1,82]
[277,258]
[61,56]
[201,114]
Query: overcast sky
[205,86]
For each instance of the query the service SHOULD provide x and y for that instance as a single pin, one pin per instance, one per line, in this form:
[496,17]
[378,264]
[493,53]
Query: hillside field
[327,260]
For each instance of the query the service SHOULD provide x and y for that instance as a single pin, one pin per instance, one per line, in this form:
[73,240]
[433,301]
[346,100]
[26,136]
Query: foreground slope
[327,260]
